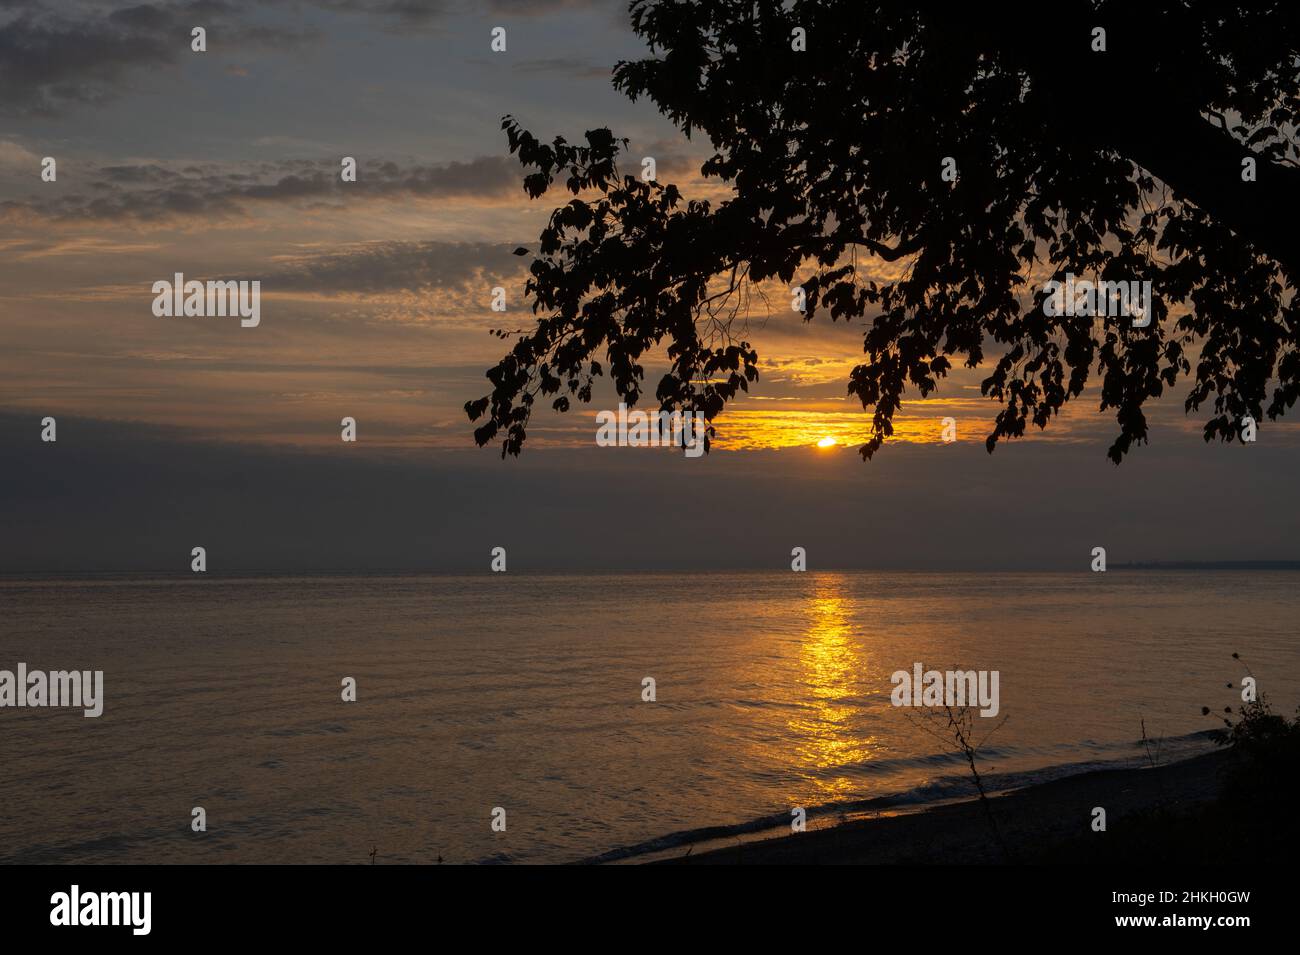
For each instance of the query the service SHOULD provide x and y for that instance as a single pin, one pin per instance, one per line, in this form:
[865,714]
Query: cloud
[13,156]
[55,57]
[532,8]
[405,12]
[571,66]
[51,62]
[147,173]
[381,267]
[158,193]
[106,485]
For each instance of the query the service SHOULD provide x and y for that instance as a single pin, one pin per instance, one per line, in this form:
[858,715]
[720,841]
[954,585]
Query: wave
[943,789]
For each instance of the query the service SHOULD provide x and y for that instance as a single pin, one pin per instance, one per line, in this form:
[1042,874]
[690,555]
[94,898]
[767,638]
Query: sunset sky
[225,164]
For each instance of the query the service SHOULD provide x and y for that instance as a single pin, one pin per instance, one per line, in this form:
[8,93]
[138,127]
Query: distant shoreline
[1047,822]
[173,574]
[1209,565]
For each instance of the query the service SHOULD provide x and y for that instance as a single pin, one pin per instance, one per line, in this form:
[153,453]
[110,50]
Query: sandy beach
[1050,822]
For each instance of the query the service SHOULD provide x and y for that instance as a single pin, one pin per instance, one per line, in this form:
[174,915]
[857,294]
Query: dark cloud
[402,14]
[117,497]
[133,175]
[532,8]
[153,193]
[405,12]
[47,63]
[566,66]
[398,266]
[51,60]
[58,56]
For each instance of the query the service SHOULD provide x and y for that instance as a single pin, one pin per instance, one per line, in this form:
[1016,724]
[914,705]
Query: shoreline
[1034,822]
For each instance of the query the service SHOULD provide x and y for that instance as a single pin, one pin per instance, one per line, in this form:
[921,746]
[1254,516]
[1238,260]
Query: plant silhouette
[1118,155]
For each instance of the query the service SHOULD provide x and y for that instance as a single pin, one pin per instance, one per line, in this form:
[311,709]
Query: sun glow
[826,442]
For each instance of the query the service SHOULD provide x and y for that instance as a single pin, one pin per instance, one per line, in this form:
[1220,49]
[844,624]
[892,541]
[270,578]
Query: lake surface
[524,692]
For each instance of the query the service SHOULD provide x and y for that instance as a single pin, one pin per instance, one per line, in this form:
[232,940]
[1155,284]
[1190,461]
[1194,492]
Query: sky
[375,305]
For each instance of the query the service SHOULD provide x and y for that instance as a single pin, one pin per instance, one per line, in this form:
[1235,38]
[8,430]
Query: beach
[1041,823]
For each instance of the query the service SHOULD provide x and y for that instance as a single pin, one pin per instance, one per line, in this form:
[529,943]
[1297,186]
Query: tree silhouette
[1117,154]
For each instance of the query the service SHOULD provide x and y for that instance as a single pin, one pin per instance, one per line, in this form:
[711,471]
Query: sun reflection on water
[833,674]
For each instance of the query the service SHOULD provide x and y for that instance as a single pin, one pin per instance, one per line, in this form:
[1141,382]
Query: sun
[827,442]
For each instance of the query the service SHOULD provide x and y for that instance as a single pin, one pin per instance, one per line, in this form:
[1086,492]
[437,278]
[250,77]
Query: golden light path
[834,671]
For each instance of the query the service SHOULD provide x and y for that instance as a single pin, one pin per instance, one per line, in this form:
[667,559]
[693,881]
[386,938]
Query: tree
[1117,154]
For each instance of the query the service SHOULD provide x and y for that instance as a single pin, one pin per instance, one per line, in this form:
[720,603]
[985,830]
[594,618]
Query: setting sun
[826,442]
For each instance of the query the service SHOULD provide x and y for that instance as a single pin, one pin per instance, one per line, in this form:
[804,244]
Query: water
[524,692]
